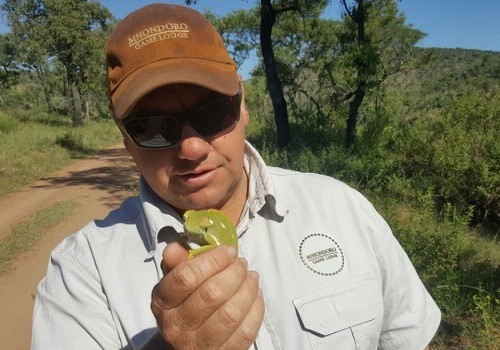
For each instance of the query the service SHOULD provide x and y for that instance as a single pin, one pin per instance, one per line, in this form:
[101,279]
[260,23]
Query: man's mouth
[198,176]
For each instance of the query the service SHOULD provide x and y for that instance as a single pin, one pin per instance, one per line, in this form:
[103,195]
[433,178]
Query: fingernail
[244,261]
[254,274]
[231,251]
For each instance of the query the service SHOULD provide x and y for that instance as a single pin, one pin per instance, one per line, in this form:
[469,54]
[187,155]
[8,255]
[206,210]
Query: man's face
[196,173]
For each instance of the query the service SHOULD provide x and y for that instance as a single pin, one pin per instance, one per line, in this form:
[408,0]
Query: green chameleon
[208,228]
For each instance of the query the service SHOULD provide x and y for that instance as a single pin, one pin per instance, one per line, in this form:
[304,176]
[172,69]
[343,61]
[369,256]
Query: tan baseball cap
[162,44]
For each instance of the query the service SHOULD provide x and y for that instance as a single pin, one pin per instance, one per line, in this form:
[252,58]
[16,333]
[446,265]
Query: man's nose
[192,145]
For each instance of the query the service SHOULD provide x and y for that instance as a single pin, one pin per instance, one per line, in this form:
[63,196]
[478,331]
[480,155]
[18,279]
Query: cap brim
[220,77]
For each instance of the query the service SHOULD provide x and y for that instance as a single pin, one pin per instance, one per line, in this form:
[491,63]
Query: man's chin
[199,200]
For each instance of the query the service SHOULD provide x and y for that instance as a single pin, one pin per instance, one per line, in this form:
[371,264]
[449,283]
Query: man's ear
[126,141]
[243,109]
[244,115]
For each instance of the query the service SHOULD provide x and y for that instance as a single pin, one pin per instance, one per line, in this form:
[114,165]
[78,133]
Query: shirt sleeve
[71,309]
[411,317]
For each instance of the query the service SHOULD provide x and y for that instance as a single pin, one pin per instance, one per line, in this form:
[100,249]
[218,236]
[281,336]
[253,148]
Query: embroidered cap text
[157,33]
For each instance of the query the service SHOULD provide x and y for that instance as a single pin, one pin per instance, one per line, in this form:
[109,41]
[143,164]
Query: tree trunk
[267,19]
[86,116]
[46,90]
[352,118]
[359,17]
[77,105]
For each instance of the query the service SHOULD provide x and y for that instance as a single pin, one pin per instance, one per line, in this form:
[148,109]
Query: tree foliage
[8,65]
[65,37]
[76,32]
[325,67]
[239,31]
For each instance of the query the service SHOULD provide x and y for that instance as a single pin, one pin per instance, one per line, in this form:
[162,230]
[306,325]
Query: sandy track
[98,184]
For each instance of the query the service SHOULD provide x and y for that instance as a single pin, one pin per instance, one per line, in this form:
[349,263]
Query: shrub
[438,247]
[487,306]
[73,142]
[8,123]
[456,153]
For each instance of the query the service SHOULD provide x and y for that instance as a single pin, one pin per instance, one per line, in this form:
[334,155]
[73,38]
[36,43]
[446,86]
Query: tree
[268,15]
[365,61]
[376,44]
[8,52]
[240,32]
[76,37]
[69,32]
[300,40]
[27,21]
[268,12]
[322,62]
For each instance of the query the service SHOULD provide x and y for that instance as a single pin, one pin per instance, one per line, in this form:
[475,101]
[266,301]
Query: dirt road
[98,184]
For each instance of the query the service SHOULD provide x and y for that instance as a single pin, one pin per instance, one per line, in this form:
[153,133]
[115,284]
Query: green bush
[17,97]
[455,152]
[73,142]
[487,306]
[439,247]
[7,123]
[40,116]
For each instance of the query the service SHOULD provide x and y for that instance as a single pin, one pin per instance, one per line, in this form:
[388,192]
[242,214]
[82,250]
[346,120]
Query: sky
[469,24]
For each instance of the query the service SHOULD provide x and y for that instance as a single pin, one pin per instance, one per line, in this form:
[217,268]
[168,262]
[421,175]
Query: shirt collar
[261,195]
[157,214]
[261,191]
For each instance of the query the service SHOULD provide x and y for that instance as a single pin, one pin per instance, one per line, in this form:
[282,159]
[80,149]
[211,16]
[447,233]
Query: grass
[459,267]
[34,144]
[458,263]
[24,236]
[488,249]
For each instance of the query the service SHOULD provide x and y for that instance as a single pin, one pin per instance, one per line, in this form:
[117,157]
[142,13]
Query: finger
[213,293]
[173,254]
[186,277]
[220,326]
[247,332]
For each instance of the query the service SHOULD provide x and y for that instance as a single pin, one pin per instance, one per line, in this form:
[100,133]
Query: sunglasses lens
[164,131]
[216,118]
[153,132]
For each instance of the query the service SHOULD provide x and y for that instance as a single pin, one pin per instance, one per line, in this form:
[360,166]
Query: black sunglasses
[164,131]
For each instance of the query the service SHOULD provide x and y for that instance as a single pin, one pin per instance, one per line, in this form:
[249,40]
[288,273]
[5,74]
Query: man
[317,267]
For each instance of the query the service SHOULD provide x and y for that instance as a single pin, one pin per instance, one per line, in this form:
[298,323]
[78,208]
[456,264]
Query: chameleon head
[196,223]
[209,228]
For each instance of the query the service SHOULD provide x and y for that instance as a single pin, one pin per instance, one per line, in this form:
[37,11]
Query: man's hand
[210,302]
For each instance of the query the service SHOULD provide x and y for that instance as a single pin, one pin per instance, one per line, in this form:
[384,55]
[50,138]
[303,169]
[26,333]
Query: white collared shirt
[332,274]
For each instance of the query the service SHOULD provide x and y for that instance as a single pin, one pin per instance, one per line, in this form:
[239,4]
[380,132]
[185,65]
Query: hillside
[447,73]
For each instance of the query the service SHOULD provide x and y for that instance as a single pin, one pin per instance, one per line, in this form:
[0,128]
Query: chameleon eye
[208,228]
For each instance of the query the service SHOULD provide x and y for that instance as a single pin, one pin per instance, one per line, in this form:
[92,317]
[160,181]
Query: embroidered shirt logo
[158,33]
[321,254]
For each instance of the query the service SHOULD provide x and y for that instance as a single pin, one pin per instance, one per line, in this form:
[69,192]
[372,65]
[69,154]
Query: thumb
[173,254]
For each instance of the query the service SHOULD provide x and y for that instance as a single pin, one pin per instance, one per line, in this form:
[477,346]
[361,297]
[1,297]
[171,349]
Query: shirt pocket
[343,316]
